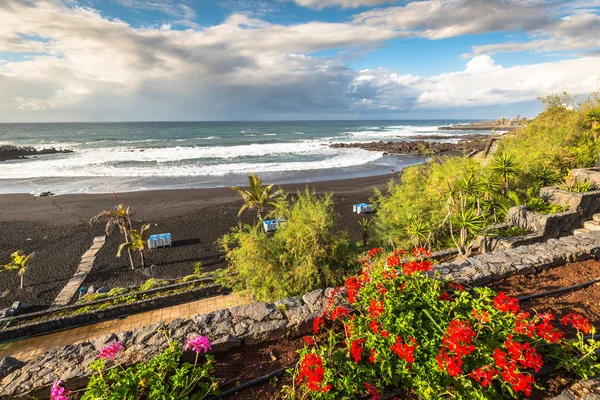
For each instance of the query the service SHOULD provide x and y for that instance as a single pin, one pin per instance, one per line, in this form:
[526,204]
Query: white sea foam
[167,161]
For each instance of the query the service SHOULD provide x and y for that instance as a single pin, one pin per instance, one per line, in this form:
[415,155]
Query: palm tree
[18,262]
[256,196]
[504,167]
[121,217]
[365,227]
[136,243]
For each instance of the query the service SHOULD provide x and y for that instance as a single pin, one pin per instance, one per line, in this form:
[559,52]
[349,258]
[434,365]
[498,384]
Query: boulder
[8,365]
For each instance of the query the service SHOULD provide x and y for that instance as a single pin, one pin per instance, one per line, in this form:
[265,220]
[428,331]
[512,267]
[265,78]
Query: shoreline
[57,229]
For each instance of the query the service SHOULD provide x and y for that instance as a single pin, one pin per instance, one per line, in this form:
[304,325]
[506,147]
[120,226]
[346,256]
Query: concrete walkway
[27,349]
[87,262]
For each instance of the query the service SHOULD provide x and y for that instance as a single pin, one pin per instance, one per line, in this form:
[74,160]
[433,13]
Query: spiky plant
[365,228]
[18,262]
[505,168]
[136,242]
[417,230]
[256,196]
[121,218]
[593,116]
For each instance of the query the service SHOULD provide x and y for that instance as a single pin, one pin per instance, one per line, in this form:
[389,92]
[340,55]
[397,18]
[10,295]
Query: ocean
[166,155]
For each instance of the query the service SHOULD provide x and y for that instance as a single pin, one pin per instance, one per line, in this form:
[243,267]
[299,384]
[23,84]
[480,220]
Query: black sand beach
[57,229]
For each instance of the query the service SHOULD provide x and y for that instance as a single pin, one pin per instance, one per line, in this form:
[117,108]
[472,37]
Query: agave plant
[466,220]
[121,218]
[593,116]
[365,228]
[417,230]
[256,196]
[505,168]
[136,242]
[18,262]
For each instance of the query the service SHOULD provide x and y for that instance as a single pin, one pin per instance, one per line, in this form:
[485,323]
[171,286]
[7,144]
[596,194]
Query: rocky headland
[8,152]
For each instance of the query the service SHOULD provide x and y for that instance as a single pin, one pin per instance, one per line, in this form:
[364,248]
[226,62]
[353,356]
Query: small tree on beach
[121,217]
[257,196]
[136,242]
[18,262]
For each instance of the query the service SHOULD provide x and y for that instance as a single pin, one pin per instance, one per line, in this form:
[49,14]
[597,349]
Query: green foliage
[540,206]
[508,232]
[198,268]
[163,377]
[153,283]
[434,339]
[365,227]
[192,277]
[304,253]
[560,138]
[19,262]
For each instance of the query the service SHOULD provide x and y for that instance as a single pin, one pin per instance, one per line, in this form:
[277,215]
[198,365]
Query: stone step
[592,225]
[581,231]
[596,217]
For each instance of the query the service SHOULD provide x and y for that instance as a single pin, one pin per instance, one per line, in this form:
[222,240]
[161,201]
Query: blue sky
[103,60]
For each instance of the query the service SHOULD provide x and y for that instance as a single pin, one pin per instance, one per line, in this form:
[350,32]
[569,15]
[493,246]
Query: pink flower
[110,352]
[199,344]
[58,392]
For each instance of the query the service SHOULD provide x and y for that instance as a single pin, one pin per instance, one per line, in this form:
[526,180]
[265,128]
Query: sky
[171,60]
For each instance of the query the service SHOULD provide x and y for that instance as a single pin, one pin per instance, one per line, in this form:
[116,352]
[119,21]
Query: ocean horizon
[133,156]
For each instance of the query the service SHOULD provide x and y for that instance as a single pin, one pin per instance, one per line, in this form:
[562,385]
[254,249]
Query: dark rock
[264,331]
[255,311]
[103,289]
[8,365]
[102,341]
[225,343]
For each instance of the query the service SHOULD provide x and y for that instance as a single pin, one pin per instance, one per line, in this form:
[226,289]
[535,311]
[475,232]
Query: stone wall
[546,225]
[259,322]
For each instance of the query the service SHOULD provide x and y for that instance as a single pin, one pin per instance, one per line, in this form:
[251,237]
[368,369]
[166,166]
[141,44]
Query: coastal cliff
[420,147]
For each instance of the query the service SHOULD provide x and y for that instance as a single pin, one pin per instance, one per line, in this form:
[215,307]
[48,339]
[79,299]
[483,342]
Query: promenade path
[87,262]
[26,349]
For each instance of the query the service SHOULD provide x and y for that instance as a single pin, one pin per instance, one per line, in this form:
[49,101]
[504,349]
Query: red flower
[381,287]
[372,391]
[451,364]
[411,267]
[373,325]
[311,369]
[546,331]
[578,322]
[317,323]
[394,261]
[482,316]
[421,252]
[372,356]
[356,349]
[458,337]
[308,340]
[365,276]
[484,375]
[338,312]
[403,286]
[505,303]
[376,308]
[375,251]
[524,354]
[546,317]
[332,295]
[457,287]
[445,297]
[520,382]
[405,351]
[384,334]
[353,286]
[500,358]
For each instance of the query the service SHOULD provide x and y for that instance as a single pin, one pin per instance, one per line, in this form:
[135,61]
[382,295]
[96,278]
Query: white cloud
[76,64]
[319,4]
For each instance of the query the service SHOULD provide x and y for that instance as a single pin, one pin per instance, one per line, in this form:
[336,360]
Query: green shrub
[117,291]
[304,253]
[542,207]
[163,377]
[508,232]
[198,270]
[88,298]
[153,283]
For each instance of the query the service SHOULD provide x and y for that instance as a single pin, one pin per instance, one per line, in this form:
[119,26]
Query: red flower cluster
[451,364]
[421,252]
[356,350]
[375,251]
[318,322]
[381,288]
[508,363]
[484,375]
[338,312]
[458,337]
[376,308]
[372,391]
[394,261]
[445,297]
[411,267]
[311,369]
[544,329]
[372,356]
[578,322]
[505,303]
[457,287]
[405,351]
[308,340]
[353,286]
